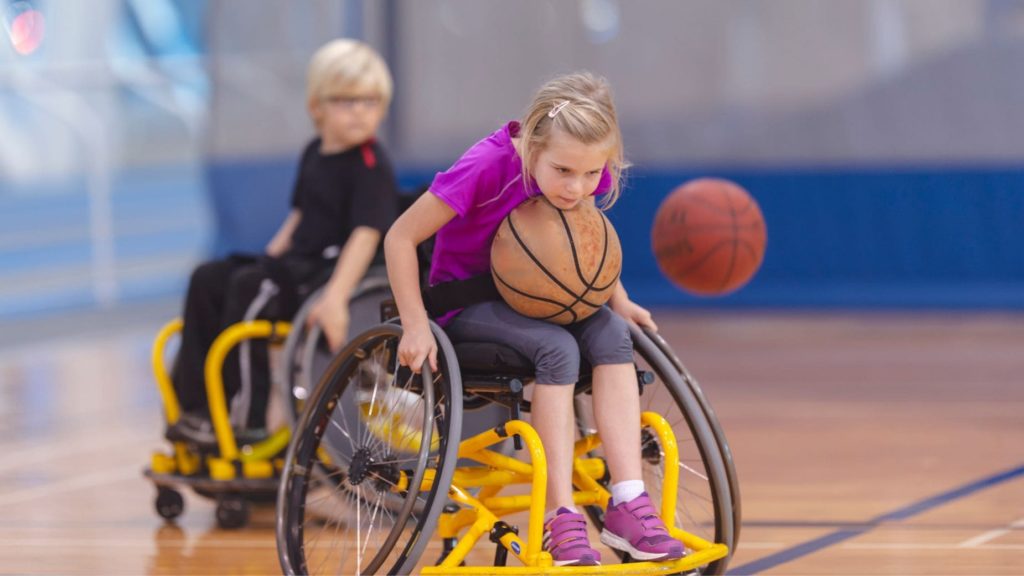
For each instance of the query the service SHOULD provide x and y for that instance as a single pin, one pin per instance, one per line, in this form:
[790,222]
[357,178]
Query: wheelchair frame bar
[482,513]
[215,380]
[163,380]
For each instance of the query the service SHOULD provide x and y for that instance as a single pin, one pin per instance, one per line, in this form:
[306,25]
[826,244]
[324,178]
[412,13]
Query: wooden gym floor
[866,443]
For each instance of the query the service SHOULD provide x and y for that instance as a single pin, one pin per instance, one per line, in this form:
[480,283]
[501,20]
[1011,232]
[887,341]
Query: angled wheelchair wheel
[367,471]
[703,499]
[305,356]
[716,429]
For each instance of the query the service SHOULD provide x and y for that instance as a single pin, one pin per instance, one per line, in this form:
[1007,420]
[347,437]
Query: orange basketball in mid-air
[709,237]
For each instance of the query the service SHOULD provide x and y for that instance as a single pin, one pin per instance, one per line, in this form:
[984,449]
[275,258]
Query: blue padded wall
[838,237]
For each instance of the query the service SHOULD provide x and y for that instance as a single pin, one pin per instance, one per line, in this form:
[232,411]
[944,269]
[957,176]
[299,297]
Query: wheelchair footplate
[478,516]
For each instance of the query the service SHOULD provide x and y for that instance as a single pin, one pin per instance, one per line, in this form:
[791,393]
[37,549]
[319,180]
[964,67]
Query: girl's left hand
[635,313]
[332,316]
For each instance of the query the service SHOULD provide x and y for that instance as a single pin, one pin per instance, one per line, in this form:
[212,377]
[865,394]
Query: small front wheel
[232,512]
[169,503]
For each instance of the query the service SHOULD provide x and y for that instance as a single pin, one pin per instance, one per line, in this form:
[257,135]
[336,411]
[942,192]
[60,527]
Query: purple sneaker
[565,537]
[635,527]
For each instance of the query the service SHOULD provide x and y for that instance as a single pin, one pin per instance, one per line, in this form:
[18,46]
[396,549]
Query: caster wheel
[232,512]
[169,503]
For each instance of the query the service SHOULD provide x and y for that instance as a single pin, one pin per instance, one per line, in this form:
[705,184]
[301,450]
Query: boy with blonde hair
[344,199]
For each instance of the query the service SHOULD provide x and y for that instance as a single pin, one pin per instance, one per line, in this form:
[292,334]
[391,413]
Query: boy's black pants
[219,293]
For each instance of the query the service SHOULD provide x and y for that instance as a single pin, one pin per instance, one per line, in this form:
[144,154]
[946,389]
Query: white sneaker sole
[573,563]
[622,545]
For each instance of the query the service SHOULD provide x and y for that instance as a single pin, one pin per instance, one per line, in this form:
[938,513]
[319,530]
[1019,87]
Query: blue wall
[929,237]
[159,224]
[908,238]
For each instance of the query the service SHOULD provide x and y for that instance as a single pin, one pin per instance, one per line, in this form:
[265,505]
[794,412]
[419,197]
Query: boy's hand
[417,345]
[332,316]
[633,312]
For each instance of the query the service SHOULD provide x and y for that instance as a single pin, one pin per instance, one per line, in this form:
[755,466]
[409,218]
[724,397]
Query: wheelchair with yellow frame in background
[236,471]
[375,466]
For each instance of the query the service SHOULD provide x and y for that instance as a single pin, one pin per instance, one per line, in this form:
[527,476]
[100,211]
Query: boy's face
[348,118]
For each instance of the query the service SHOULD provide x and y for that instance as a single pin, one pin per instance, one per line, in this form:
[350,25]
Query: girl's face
[348,118]
[567,170]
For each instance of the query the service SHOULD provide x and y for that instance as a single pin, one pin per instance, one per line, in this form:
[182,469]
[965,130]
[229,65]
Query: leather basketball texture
[556,265]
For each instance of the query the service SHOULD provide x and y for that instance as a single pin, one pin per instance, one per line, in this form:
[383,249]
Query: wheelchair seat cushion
[492,359]
[483,359]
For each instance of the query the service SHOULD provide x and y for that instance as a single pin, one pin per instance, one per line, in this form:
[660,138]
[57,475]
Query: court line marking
[991,535]
[925,546]
[833,538]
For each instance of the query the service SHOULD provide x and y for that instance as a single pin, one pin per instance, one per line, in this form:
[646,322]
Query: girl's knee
[607,340]
[557,359]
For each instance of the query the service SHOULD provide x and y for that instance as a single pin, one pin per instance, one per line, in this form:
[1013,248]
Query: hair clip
[558,108]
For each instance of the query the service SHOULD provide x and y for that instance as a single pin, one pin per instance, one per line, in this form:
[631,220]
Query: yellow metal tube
[586,444]
[692,541]
[480,442]
[172,410]
[586,498]
[450,523]
[471,447]
[483,519]
[685,564]
[670,484]
[593,467]
[476,476]
[539,461]
[588,485]
[496,460]
[268,448]
[213,371]
[489,491]
[518,502]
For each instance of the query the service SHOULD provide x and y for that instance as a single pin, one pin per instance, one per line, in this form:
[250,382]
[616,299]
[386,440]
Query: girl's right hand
[417,345]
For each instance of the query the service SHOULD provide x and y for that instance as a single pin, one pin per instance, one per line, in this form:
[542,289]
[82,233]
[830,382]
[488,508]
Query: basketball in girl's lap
[553,264]
[709,237]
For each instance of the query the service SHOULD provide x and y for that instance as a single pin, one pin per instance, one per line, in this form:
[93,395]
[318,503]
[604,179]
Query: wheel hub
[364,465]
[360,466]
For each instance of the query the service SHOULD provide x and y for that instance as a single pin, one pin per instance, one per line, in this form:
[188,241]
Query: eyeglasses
[353,102]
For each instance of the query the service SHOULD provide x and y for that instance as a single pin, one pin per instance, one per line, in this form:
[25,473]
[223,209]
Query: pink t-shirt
[482,187]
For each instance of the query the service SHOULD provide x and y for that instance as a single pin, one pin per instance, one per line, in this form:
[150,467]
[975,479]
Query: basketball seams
[521,249]
[732,243]
[708,253]
[538,298]
[588,285]
[564,308]
[530,254]
[604,255]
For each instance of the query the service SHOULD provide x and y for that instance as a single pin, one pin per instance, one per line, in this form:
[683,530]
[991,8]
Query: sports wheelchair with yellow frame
[374,469]
[237,472]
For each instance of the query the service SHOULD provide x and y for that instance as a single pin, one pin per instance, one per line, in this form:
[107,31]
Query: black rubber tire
[232,512]
[310,461]
[169,503]
[710,463]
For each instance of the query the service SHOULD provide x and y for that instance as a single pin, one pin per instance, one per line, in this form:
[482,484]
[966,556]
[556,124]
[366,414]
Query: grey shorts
[603,338]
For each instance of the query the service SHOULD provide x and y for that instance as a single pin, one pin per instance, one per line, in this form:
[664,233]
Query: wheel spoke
[353,517]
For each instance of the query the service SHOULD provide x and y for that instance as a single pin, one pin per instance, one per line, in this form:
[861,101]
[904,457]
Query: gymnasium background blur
[883,138]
